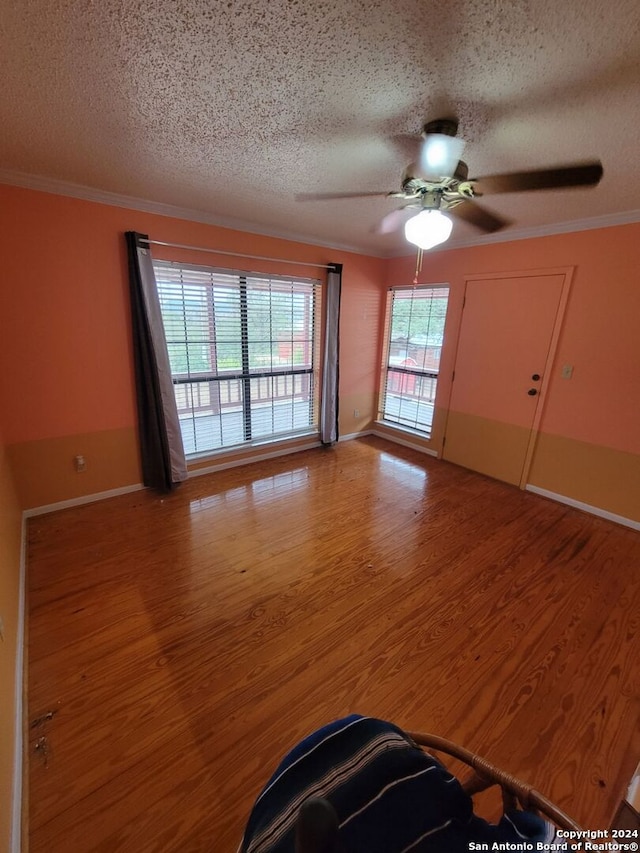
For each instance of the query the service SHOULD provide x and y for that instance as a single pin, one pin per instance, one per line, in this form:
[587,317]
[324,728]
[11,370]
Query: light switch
[567,371]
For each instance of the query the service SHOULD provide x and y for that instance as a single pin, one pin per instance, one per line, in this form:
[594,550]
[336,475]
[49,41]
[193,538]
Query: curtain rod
[235,254]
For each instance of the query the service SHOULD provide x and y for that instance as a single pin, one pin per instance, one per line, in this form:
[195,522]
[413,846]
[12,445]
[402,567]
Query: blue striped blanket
[389,796]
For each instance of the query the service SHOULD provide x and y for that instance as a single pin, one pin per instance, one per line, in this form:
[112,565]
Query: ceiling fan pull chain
[418,266]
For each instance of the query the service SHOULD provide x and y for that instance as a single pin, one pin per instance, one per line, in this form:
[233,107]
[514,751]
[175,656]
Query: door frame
[558,324]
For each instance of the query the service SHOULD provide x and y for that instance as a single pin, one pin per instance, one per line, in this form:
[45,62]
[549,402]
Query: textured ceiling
[231,108]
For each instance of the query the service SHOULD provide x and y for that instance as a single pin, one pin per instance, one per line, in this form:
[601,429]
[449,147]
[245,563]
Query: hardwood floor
[182,644]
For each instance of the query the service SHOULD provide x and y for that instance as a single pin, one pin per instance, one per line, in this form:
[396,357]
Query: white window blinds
[415,333]
[243,350]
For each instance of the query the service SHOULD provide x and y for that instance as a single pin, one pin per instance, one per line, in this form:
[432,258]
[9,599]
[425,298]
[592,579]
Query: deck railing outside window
[415,332]
[243,351]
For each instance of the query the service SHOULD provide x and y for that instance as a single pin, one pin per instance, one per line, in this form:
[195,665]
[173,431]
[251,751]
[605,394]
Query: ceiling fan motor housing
[445,126]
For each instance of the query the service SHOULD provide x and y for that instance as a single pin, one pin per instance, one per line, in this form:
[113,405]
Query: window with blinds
[415,333]
[243,351]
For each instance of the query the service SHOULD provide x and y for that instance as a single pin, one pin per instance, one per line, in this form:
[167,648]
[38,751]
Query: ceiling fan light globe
[436,153]
[439,156]
[428,229]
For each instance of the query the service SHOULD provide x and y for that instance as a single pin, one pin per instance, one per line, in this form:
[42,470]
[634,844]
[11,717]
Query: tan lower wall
[488,446]
[10,533]
[45,474]
[599,476]
[361,403]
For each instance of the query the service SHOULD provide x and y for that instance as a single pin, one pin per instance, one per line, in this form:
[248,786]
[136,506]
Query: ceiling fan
[438,181]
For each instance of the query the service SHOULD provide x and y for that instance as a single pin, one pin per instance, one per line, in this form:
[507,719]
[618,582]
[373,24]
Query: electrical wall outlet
[80,464]
[356,413]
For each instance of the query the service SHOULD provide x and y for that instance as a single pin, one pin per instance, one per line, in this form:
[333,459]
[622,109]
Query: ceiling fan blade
[585,175]
[395,220]
[328,196]
[482,218]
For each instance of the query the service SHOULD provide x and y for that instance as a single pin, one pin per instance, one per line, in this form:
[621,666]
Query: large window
[243,354]
[415,332]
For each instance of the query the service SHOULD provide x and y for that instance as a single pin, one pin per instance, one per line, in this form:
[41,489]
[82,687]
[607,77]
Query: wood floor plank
[184,643]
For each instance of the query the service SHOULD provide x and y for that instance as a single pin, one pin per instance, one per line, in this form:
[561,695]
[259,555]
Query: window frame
[419,374]
[242,283]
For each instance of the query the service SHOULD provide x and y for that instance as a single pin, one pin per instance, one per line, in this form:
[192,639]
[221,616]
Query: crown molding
[60,187]
[607,220]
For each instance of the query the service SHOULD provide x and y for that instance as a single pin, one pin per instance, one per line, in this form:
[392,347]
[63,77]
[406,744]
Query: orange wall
[70,386]
[66,383]
[592,419]
[67,380]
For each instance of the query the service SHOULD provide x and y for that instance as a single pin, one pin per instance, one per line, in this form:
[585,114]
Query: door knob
[536,377]
[532,392]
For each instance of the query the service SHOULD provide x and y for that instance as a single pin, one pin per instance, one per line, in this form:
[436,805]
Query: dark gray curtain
[161,448]
[331,371]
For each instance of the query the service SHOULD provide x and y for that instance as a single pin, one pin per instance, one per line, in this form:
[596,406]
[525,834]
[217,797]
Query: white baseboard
[398,440]
[353,435]
[196,472]
[236,463]
[18,757]
[593,510]
[84,499]
[136,487]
